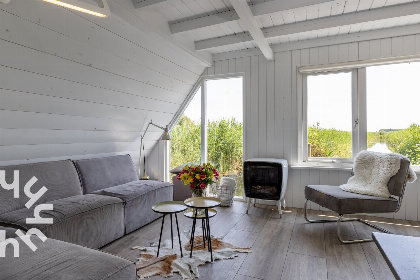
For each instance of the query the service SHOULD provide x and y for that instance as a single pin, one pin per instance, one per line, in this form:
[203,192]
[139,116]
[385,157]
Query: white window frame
[359,122]
[201,83]
[359,107]
[204,118]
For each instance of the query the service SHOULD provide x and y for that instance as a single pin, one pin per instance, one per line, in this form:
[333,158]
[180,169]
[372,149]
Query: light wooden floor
[286,248]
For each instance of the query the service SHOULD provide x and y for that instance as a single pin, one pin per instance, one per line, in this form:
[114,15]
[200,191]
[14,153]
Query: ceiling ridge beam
[315,24]
[265,8]
[326,41]
[250,22]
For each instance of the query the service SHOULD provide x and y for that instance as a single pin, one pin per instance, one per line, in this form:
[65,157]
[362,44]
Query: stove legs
[248,201]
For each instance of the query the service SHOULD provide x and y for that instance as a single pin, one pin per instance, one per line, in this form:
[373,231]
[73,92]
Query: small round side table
[169,207]
[206,203]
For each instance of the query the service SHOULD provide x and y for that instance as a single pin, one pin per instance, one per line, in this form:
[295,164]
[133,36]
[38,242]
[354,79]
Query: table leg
[209,234]
[179,237]
[204,229]
[193,232]
[172,233]
[160,238]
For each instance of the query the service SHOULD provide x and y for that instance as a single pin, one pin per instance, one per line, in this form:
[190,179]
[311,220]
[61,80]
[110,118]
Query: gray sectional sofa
[95,201]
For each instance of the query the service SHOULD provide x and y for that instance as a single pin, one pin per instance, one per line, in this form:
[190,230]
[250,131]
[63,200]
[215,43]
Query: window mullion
[204,139]
[355,112]
[362,109]
[304,137]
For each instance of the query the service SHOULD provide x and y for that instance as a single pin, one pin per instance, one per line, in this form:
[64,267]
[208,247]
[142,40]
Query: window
[393,114]
[329,116]
[372,107]
[211,129]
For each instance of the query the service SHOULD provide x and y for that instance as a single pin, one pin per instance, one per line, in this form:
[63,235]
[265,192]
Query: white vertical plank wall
[271,106]
[76,86]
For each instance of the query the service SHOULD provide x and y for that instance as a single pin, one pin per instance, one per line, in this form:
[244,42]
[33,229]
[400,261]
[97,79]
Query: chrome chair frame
[342,219]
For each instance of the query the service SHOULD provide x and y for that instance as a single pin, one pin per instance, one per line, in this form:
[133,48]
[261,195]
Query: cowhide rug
[170,261]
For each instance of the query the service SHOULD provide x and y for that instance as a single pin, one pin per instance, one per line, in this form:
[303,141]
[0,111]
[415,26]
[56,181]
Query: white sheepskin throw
[372,171]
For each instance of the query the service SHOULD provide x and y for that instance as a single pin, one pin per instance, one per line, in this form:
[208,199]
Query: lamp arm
[151,123]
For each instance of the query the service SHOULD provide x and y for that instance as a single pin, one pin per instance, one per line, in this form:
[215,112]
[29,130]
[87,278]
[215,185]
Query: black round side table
[197,204]
[169,207]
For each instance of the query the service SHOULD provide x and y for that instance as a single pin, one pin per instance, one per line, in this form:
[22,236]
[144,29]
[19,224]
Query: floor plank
[307,238]
[303,267]
[272,242]
[346,261]
[282,248]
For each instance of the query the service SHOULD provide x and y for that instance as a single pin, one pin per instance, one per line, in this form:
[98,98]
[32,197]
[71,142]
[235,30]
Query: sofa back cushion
[101,173]
[59,177]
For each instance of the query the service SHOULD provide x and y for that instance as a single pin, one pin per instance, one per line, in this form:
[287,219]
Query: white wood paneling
[278,81]
[76,86]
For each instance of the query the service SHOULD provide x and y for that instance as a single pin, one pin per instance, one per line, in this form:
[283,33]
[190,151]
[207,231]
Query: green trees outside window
[336,143]
[225,145]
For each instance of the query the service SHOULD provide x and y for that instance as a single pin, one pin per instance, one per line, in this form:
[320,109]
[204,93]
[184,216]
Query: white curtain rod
[357,64]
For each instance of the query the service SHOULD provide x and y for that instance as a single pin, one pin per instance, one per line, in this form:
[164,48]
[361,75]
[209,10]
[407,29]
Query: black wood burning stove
[265,178]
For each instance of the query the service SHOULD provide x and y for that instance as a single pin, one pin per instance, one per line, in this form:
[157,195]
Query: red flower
[203,185]
[203,175]
[192,186]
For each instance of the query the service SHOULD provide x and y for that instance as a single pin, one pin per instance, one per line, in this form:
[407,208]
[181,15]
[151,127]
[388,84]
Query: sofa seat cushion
[87,220]
[10,232]
[342,202]
[139,197]
[55,259]
[101,173]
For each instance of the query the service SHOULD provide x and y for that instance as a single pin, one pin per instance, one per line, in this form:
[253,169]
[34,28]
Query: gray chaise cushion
[87,220]
[57,260]
[10,232]
[59,177]
[101,173]
[139,197]
[396,182]
[341,202]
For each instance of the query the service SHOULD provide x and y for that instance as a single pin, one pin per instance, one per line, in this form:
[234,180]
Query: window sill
[340,167]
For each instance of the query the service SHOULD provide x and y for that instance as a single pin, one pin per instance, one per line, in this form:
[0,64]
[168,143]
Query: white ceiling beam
[265,8]
[202,22]
[250,23]
[326,41]
[316,24]
[144,3]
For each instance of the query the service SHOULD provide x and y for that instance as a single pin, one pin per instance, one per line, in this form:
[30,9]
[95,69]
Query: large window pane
[225,128]
[393,116]
[329,115]
[186,135]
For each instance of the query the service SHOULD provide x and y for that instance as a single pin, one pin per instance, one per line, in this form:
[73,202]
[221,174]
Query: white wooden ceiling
[216,27]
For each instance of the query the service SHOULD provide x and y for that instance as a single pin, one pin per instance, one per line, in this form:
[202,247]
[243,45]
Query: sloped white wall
[77,86]
[271,108]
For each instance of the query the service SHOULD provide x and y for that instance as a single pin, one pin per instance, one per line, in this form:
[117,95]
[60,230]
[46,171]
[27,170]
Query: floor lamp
[165,136]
